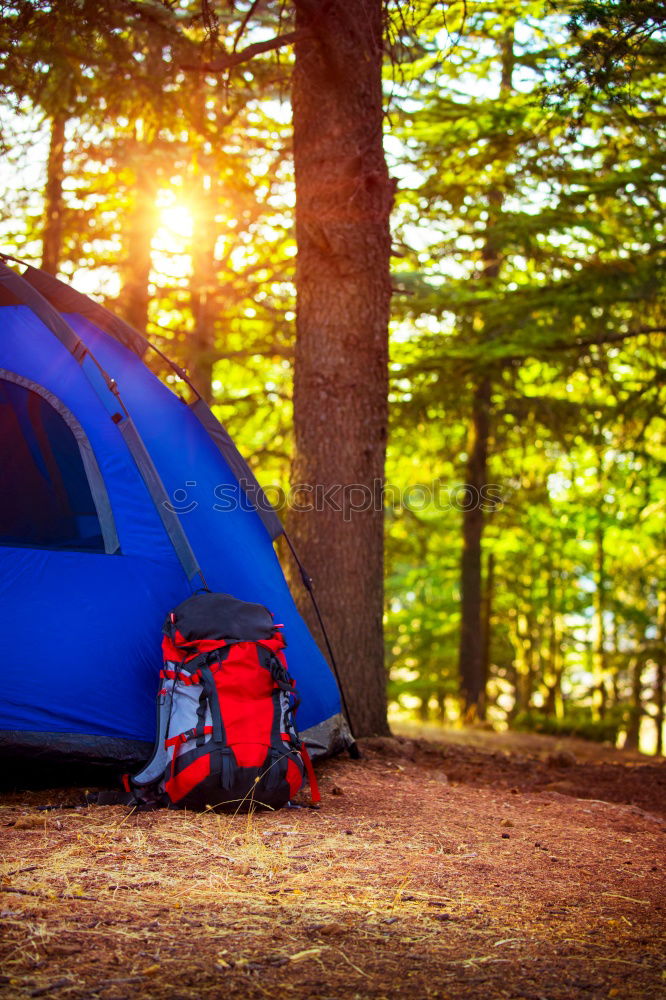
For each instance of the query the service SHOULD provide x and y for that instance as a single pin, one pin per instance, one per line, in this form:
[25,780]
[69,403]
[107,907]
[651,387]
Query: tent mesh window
[45,497]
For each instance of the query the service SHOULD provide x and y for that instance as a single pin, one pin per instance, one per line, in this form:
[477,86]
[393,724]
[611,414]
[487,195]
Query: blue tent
[117,501]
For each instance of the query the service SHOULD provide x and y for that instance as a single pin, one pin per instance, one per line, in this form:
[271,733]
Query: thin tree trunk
[52,235]
[488,595]
[519,631]
[134,297]
[441,707]
[661,676]
[343,201]
[600,658]
[530,657]
[553,669]
[615,658]
[424,708]
[471,649]
[636,705]
[202,301]
[554,704]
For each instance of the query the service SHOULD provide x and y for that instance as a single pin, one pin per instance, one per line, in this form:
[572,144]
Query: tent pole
[308,583]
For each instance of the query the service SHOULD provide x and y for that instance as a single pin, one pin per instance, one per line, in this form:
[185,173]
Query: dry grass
[408,883]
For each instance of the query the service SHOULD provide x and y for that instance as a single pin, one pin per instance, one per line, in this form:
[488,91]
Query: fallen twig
[20,871]
[125,818]
[628,899]
[41,895]
[57,985]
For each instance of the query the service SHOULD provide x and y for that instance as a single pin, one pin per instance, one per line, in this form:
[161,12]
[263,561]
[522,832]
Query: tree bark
[343,202]
[53,197]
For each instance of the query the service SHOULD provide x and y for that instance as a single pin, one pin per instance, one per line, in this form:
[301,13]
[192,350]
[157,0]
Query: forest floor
[480,866]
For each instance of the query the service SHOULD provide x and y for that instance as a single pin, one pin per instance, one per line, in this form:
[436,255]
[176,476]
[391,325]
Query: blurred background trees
[525,497]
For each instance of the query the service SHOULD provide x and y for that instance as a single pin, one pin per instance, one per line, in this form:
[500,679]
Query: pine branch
[245,55]
[609,339]
[244,23]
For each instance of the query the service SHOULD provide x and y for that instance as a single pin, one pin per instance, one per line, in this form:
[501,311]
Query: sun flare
[177,221]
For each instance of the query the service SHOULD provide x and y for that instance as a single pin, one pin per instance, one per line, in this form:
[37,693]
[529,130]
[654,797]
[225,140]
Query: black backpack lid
[219,616]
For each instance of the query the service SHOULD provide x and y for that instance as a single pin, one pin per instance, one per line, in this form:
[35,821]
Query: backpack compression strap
[309,769]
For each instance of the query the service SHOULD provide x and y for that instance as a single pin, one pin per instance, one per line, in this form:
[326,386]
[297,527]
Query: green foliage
[181,175]
[527,140]
[621,50]
[576,723]
[532,252]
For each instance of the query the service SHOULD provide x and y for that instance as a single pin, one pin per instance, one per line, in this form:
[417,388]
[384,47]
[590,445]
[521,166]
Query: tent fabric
[238,466]
[68,300]
[15,285]
[85,622]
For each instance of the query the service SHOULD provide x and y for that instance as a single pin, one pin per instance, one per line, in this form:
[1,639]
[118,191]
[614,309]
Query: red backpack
[226,733]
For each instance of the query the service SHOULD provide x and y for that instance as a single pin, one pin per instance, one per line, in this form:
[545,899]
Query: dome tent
[117,501]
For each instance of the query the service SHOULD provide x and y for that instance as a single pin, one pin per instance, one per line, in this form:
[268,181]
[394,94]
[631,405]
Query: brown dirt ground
[472,868]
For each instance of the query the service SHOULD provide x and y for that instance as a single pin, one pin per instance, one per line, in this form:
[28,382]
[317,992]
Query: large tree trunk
[53,197]
[343,202]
